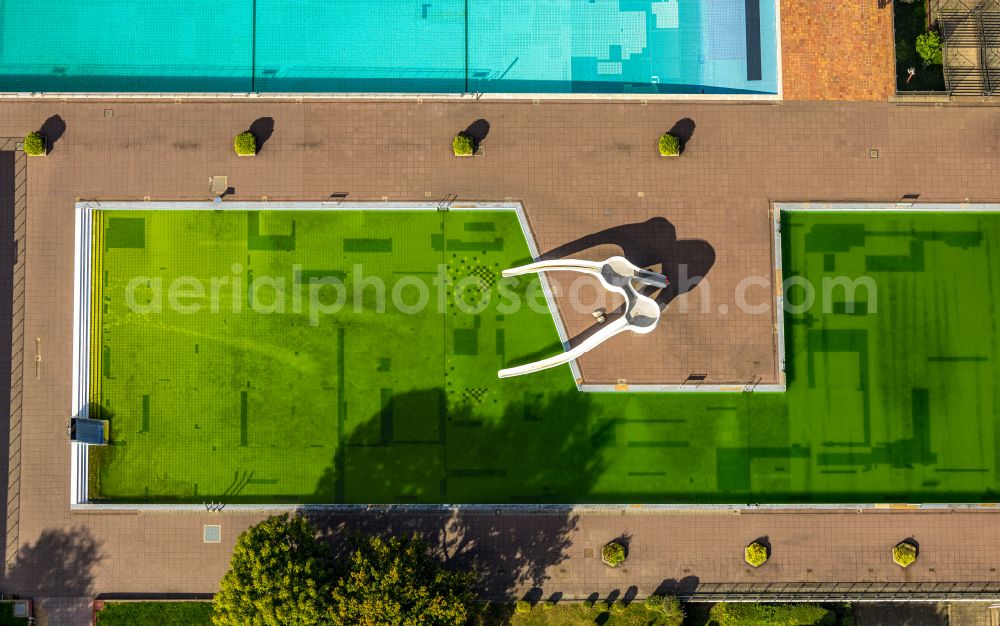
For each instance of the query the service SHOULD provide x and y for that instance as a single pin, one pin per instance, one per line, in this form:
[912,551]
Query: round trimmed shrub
[601,607]
[618,607]
[245,144]
[588,604]
[34,144]
[462,145]
[522,606]
[929,47]
[613,554]
[755,554]
[548,605]
[669,145]
[904,553]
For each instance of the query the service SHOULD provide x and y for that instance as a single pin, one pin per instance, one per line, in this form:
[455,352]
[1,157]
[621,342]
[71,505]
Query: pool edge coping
[336,96]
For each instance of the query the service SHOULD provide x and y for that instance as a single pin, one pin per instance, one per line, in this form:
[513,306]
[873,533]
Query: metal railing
[843,592]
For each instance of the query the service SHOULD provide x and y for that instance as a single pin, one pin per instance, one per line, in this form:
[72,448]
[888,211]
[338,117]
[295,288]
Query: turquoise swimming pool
[412,46]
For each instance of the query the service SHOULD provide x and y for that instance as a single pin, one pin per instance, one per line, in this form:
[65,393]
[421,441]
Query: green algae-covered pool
[247,395]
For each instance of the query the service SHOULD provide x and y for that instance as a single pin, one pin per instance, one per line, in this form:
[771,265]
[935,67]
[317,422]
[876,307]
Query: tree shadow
[476,458]
[652,244]
[533,595]
[477,132]
[683,129]
[902,614]
[262,129]
[61,563]
[53,130]
[630,594]
[683,588]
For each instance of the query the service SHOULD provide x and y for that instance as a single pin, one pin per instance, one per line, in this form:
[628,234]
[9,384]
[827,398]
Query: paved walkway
[579,168]
[61,611]
[832,50]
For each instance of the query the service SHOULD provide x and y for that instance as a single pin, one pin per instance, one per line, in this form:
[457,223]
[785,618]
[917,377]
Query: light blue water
[428,46]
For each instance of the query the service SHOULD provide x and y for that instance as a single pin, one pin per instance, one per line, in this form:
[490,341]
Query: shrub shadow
[683,129]
[262,129]
[53,130]
[477,132]
[764,541]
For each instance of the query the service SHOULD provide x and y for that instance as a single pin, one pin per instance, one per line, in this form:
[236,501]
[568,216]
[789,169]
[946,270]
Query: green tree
[245,144]
[34,144]
[395,582]
[667,608]
[669,145]
[929,47]
[462,145]
[278,576]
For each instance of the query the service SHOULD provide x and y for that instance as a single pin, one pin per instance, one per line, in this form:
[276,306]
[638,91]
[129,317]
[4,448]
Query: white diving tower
[616,274]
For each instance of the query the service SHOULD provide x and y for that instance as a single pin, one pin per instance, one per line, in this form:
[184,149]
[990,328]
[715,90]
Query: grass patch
[155,614]
[637,614]
[571,614]
[911,22]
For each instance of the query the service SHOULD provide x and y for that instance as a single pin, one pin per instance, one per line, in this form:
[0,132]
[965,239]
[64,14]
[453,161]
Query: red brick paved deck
[833,50]
[568,163]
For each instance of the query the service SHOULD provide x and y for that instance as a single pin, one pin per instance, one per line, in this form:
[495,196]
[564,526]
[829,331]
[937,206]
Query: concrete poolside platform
[569,164]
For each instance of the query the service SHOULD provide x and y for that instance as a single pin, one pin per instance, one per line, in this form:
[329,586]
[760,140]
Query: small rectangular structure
[88,431]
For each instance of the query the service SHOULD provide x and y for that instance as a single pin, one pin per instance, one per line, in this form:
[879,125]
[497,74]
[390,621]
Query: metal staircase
[971,35]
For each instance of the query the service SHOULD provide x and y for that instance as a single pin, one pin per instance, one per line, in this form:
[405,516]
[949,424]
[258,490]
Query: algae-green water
[892,393]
